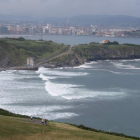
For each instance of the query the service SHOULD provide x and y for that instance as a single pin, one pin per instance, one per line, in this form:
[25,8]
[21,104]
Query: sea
[74,40]
[103,95]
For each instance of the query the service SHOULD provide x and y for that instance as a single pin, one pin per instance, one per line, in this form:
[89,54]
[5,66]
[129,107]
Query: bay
[75,40]
[103,95]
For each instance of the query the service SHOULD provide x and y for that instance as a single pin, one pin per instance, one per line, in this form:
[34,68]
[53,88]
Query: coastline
[81,126]
[9,114]
[58,65]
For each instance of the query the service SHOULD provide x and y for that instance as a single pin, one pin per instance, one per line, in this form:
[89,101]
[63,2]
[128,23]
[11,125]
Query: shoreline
[82,126]
[10,114]
[58,65]
[24,35]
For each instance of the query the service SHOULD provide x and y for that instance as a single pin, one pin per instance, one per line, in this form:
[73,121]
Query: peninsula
[14,53]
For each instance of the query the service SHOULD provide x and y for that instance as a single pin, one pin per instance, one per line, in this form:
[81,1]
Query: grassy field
[14,128]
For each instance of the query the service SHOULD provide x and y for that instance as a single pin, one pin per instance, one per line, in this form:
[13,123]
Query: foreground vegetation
[18,50]
[22,128]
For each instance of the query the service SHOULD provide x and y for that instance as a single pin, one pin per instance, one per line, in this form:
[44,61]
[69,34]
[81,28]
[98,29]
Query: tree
[21,39]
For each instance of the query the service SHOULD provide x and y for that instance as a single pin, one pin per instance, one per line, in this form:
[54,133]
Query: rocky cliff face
[5,63]
[103,52]
[77,55]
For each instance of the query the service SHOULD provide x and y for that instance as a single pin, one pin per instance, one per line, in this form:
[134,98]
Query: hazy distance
[70,8]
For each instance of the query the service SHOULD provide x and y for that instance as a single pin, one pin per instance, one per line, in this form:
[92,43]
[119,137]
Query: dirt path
[36,121]
[67,52]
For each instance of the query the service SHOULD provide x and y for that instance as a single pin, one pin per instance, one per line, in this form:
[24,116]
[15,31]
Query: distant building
[30,61]
[49,27]
[27,30]
[104,41]
[3,30]
[44,30]
[60,31]
[72,30]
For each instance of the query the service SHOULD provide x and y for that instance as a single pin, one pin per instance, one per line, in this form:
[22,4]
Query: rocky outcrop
[103,52]
[5,63]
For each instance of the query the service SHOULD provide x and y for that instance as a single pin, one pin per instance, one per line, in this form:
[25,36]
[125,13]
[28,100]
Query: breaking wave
[122,66]
[42,112]
[70,91]
[58,72]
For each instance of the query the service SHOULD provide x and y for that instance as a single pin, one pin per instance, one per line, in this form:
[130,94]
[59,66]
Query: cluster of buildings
[46,29]
[28,28]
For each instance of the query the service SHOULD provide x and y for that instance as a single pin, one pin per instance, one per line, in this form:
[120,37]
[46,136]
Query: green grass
[13,128]
[18,50]
[95,51]
[19,127]
[98,51]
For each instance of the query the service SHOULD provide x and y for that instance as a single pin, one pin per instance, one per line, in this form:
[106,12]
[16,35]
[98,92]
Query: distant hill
[104,20]
[16,18]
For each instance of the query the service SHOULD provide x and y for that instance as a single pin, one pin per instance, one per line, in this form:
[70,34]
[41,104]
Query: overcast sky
[68,8]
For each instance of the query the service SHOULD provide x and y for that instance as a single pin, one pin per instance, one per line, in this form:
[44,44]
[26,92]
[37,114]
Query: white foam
[86,65]
[41,111]
[57,72]
[121,66]
[130,60]
[13,93]
[95,94]
[122,73]
[45,78]
[55,89]
[70,92]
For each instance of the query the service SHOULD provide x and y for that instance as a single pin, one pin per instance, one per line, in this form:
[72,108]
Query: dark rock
[5,63]
[48,65]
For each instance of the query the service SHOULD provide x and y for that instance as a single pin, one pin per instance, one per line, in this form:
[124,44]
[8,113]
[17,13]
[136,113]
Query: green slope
[22,128]
[17,50]
[96,51]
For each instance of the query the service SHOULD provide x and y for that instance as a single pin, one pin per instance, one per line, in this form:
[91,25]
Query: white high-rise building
[72,30]
[60,31]
[44,30]
[49,27]
[93,28]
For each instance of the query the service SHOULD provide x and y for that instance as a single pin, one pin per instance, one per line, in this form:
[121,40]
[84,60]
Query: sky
[70,8]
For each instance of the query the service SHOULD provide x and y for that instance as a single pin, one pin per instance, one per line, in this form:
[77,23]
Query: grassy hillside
[18,127]
[17,50]
[12,128]
[96,51]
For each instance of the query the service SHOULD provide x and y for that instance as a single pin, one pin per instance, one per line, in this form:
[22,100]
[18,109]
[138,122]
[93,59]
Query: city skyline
[48,29]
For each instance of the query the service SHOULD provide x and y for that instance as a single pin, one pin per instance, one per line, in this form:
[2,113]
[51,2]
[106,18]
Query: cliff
[96,51]
[14,52]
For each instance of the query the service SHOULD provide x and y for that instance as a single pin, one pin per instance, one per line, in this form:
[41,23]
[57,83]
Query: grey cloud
[63,8]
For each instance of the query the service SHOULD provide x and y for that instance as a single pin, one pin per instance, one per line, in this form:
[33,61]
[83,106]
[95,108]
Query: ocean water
[75,40]
[102,95]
